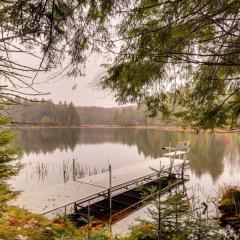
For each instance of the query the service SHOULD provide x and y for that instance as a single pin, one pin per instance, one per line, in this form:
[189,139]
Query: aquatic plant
[41,170]
[75,170]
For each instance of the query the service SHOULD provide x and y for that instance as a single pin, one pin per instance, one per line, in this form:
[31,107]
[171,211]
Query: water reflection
[211,154]
[47,140]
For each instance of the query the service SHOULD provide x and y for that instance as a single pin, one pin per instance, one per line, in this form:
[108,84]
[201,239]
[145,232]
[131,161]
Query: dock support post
[182,174]
[65,212]
[75,207]
[183,166]
[89,221]
[171,165]
[172,158]
[110,199]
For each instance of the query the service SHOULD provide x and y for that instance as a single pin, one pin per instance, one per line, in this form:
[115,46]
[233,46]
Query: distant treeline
[63,114]
[124,116]
[46,113]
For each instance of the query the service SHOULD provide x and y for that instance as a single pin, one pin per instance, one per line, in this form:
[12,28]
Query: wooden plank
[126,174]
[46,199]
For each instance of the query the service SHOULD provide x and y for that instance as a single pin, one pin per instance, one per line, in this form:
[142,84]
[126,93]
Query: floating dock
[96,189]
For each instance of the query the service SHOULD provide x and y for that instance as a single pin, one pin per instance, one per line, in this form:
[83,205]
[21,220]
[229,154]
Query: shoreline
[164,128]
[154,127]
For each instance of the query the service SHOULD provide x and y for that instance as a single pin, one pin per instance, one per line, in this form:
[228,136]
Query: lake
[48,153]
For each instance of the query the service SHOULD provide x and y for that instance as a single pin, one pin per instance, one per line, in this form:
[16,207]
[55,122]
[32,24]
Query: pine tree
[177,216]
[8,153]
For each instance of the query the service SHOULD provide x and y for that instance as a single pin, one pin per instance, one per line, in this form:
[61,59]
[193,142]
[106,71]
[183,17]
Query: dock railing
[146,200]
[177,170]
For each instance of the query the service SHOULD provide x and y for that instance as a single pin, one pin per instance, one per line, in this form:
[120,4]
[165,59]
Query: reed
[77,170]
[42,170]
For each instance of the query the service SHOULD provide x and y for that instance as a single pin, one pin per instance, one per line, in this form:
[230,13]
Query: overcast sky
[61,89]
[78,90]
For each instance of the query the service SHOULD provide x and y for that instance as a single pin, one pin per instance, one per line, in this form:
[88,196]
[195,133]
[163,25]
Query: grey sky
[61,89]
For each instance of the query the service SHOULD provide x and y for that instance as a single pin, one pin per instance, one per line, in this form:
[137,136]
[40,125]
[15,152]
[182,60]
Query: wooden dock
[122,205]
[95,189]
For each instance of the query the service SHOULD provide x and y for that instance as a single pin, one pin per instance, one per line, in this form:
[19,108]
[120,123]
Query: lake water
[48,154]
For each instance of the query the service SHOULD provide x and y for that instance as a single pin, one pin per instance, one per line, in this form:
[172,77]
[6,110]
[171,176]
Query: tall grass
[77,171]
[69,170]
[41,170]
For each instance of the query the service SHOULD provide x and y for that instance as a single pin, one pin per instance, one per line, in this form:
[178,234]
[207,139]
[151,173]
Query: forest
[44,113]
[64,114]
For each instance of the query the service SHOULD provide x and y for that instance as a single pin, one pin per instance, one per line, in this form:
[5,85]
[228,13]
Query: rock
[21,237]
[232,220]
[227,206]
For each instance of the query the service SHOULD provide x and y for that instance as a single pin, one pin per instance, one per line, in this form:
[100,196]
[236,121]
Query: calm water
[48,154]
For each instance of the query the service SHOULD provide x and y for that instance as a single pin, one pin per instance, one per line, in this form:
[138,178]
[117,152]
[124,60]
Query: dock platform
[93,189]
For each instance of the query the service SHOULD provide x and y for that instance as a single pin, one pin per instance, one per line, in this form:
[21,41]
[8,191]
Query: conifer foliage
[184,51]
[8,153]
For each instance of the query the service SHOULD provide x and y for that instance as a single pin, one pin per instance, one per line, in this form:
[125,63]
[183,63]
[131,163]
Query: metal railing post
[89,220]
[110,199]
